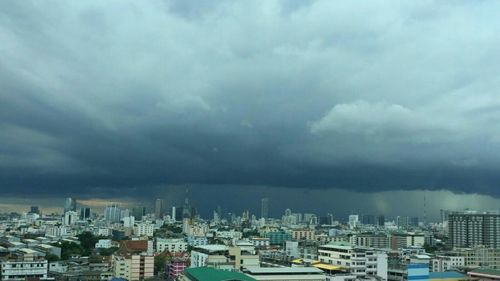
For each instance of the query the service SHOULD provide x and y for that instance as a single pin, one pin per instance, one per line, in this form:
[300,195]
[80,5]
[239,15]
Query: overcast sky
[117,97]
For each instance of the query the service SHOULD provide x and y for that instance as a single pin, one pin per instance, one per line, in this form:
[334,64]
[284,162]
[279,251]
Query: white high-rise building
[112,213]
[70,217]
[353,221]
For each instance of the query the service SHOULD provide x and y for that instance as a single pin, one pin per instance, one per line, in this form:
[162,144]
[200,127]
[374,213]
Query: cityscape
[261,140]
[160,242]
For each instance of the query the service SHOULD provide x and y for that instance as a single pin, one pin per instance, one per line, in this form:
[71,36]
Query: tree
[159,263]
[51,257]
[69,249]
[87,241]
[108,252]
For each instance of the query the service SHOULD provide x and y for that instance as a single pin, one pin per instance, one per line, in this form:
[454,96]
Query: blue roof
[446,274]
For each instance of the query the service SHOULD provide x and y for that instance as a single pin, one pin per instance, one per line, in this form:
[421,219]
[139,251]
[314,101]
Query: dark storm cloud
[114,95]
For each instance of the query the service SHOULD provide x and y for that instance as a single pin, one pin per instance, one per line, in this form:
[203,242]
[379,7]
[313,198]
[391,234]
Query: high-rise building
[34,210]
[472,229]
[353,221]
[159,208]
[70,217]
[69,205]
[368,219]
[264,207]
[84,213]
[381,220]
[139,212]
[414,221]
[112,213]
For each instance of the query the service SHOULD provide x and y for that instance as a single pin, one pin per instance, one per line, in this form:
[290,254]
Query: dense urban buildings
[135,244]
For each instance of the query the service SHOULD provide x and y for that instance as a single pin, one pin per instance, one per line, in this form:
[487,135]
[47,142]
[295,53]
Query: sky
[114,99]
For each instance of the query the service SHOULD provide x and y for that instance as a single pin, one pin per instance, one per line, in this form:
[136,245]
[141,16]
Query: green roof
[486,271]
[211,274]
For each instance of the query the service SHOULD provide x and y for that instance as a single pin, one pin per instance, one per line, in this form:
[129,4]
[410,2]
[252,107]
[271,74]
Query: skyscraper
[112,213]
[139,212]
[264,207]
[69,205]
[381,221]
[159,208]
[84,213]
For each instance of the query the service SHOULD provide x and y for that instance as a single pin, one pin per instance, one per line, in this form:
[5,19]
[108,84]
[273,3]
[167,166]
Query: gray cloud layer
[379,96]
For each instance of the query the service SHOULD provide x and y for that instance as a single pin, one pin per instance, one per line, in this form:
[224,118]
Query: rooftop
[211,274]
[488,272]
[446,275]
[277,270]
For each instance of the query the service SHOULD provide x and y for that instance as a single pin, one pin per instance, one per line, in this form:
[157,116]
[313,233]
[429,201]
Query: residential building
[144,229]
[170,245]
[440,263]
[133,267]
[303,234]
[470,229]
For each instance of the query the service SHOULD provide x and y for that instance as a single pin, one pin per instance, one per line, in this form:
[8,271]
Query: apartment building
[170,245]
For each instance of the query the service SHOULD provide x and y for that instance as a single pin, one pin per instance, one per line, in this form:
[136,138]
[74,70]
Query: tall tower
[264,207]
[425,211]
[69,204]
[159,208]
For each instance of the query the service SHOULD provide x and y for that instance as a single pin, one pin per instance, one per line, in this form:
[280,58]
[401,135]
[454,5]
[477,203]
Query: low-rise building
[358,261]
[170,245]
[24,264]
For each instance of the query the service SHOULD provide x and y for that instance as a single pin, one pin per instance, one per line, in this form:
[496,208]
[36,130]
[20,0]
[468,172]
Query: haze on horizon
[116,98]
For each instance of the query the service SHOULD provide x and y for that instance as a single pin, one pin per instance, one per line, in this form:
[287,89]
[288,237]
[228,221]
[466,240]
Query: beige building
[133,267]
[303,234]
